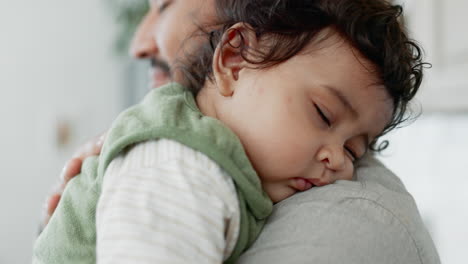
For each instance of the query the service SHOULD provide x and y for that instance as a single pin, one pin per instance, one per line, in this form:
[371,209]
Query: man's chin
[158,73]
[157,78]
[155,84]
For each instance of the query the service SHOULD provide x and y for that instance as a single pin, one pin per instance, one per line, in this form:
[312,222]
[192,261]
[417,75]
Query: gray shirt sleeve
[370,220]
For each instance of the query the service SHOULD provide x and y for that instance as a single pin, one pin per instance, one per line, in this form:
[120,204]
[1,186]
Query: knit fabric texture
[166,112]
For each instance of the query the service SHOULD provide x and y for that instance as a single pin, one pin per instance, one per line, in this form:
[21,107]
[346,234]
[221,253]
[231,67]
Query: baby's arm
[71,169]
[164,203]
[70,235]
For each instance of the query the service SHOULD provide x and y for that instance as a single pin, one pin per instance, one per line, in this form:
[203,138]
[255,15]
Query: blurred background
[65,74]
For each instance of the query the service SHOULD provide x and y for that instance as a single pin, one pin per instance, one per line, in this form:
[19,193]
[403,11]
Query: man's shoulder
[372,219]
[373,183]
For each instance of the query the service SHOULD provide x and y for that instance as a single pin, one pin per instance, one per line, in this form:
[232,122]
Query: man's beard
[162,65]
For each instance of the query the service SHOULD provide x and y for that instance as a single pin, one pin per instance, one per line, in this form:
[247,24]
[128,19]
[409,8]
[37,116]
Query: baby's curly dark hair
[373,27]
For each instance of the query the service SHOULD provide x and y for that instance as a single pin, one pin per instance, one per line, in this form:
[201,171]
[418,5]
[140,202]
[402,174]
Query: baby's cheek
[348,172]
[298,155]
[287,161]
[277,191]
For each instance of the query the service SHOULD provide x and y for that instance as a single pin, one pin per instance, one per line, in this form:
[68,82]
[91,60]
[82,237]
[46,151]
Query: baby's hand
[70,170]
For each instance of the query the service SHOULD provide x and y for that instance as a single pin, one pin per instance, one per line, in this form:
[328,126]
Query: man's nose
[143,44]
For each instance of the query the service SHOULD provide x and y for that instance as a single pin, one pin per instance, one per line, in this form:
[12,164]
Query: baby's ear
[230,56]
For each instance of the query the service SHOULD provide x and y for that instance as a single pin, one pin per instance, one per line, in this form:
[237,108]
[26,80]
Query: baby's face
[305,122]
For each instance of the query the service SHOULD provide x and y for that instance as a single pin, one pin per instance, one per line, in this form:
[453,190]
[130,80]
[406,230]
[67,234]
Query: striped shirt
[163,202]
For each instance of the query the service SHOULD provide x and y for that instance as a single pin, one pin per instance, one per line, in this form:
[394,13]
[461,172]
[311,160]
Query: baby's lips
[302,184]
[316,182]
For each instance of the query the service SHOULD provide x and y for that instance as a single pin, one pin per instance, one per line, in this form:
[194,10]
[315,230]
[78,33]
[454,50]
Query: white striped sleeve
[163,202]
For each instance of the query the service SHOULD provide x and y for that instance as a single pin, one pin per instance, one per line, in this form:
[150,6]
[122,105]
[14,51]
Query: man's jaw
[159,73]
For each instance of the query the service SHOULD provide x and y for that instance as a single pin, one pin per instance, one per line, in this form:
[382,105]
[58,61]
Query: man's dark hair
[373,27]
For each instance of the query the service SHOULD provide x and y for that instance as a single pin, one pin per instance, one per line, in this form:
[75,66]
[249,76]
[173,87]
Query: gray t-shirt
[370,220]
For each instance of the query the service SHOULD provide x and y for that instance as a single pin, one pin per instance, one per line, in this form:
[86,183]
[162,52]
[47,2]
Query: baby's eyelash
[322,115]
[351,152]
[327,121]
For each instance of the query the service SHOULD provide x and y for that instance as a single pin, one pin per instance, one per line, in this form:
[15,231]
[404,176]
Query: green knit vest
[167,112]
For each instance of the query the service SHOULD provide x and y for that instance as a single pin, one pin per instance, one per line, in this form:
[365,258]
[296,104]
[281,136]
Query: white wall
[440,26]
[430,157]
[56,65]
